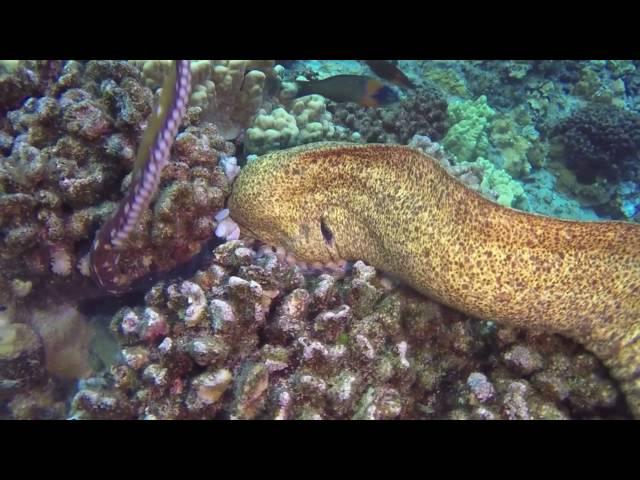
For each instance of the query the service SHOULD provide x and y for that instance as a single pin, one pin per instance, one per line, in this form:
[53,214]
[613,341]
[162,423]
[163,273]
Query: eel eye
[326,232]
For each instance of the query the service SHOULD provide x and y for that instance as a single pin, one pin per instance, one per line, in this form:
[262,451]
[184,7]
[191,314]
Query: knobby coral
[599,140]
[68,153]
[421,113]
[334,347]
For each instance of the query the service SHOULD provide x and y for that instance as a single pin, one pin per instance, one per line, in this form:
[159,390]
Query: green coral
[518,142]
[518,69]
[619,68]
[513,146]
[449,80]
[468,137]
[499,183]
[476,127]
[592,86]
[8,66]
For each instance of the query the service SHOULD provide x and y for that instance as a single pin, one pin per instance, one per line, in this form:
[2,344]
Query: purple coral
[599,140]
[424,113]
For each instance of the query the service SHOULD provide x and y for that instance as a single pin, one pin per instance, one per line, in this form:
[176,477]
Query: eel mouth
[340,266]
[227,229]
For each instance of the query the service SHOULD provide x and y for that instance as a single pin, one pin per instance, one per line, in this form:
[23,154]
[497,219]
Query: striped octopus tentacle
[153,156]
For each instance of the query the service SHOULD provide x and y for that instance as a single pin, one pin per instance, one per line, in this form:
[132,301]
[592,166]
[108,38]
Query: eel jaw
[340,267]
[227,229]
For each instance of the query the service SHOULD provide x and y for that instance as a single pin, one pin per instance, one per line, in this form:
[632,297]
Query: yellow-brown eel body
[396,208]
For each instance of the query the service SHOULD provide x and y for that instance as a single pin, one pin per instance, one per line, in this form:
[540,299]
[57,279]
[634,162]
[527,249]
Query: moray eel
[397,209]
[153,155]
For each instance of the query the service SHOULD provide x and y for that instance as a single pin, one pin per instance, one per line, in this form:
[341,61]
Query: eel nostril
[326,232]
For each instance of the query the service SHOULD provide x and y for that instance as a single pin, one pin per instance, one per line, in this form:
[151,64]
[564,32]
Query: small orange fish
[365,91]
[388,71]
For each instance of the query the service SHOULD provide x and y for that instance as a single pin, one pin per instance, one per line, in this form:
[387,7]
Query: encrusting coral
[68,152]
[397,208]
[334,347]
[599,140]
[422,113]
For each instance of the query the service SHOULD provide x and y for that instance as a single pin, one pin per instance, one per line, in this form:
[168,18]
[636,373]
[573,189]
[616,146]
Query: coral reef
[500,81]
[272,131]
[627,199]
[496,183]
[424,112]
[333,347]
[448,79]
[249,336]
[21,79]
[545,196]
[517,143]
[480,175]
[65,335]
[154,153]
[182,218]
[599,140]
[21,358]
[228,93]
[598,88]
[305,120]
[40,359]
[468,136]
[600,192]
[533,128]
[68,153]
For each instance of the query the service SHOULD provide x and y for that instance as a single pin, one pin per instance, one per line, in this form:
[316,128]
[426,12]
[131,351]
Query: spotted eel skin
[153,156]
[396,208]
